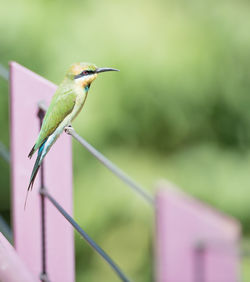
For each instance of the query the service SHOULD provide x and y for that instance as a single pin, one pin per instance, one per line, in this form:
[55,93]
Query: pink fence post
[12,268]
[193,241]
[27,90]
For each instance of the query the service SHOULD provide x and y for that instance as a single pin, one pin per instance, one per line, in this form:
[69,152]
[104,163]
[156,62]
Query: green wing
[61,105]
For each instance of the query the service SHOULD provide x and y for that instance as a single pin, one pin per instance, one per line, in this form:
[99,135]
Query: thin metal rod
[43,275]
[112,167]
[4,73]
[44,268]
[5,229]
[85,236]
[199,262]
[4,153]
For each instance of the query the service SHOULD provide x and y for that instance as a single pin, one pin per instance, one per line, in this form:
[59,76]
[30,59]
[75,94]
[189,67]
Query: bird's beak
[105,69]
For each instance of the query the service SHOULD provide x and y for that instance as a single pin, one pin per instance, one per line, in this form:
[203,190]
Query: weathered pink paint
[12,268]
[181,223]
[27,89]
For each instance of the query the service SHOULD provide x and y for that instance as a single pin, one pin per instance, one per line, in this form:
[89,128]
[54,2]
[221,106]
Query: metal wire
[85,236]
[4,73]
[112,167]
[5,229]
[44,274]
[199,263]
[4,153]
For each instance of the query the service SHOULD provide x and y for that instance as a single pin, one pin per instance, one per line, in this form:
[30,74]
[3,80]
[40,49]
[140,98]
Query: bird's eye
[84,72]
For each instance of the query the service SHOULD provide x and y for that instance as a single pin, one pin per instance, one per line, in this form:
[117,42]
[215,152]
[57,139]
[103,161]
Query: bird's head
[83,74]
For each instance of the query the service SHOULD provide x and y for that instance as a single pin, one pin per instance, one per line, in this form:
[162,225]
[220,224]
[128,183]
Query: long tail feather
[35,170]
[32,152]
[34,173]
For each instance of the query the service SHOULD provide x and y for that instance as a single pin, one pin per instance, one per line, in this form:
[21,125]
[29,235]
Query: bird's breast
[80,100]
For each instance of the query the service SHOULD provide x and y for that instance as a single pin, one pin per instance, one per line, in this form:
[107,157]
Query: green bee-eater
[66,103]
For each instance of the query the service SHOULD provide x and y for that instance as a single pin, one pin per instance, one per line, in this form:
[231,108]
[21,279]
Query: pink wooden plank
[12,268]
[27,89]
[181,223]
[224,259]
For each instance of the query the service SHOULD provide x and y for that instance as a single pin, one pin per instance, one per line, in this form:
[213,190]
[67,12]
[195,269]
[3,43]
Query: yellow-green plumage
[61,105]
[66,103]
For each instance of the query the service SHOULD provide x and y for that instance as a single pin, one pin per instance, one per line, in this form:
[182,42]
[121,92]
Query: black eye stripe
[84,73]
[77,76]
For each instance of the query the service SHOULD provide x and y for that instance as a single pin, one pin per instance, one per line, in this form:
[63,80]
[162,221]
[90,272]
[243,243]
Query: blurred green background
[179,109]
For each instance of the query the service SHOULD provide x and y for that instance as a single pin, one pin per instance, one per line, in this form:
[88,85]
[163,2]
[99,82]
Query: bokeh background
[179,109]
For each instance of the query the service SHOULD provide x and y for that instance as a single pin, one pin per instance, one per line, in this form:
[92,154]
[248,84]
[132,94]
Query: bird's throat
[87,87]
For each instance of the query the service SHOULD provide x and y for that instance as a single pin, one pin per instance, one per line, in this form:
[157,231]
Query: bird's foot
[68,128]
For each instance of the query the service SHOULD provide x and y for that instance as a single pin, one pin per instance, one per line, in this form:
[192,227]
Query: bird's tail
[32,152]
[35,170]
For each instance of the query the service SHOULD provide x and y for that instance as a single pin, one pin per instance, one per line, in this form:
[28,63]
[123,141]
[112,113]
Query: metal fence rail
[4,153]
[4,73]
[113,168]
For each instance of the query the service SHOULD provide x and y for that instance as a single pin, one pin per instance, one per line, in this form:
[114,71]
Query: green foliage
[179,108]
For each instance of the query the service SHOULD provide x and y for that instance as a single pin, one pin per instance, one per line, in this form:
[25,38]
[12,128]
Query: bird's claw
[68,128]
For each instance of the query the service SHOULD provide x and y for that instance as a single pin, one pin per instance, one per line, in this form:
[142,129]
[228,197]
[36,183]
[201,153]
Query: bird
[66,103]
